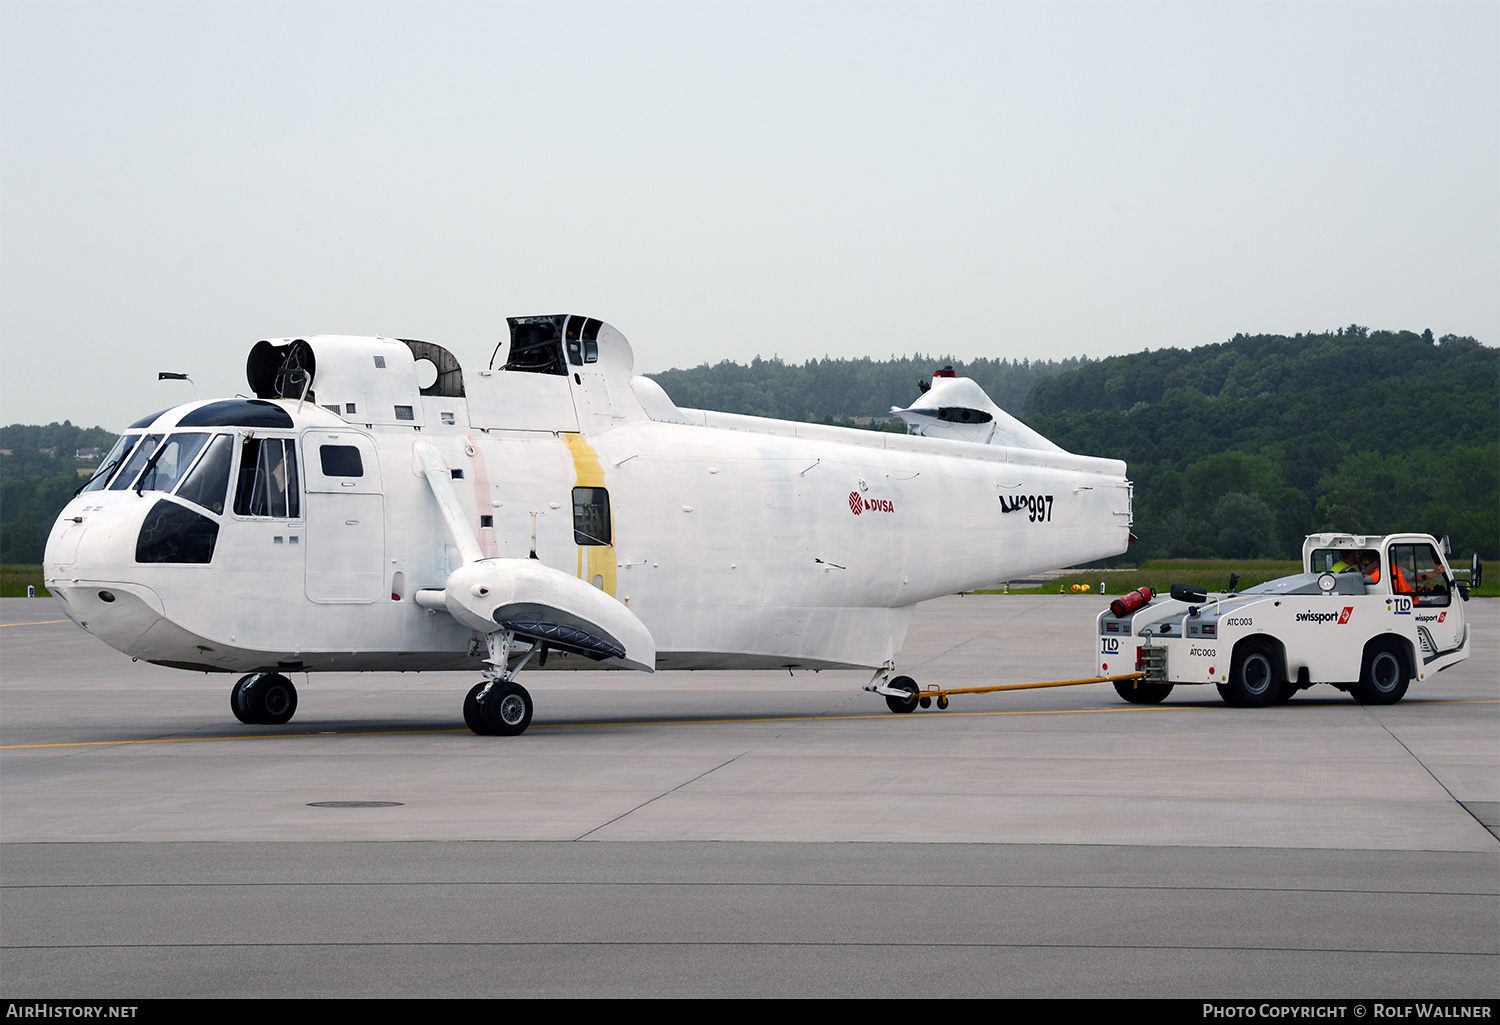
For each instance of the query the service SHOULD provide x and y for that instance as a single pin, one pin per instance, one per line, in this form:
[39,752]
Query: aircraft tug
[377,507]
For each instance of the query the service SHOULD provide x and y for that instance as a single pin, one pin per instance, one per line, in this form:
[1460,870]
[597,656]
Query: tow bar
[903,691]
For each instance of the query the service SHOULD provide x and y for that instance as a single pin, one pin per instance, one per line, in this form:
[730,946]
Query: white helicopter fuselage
[325,539]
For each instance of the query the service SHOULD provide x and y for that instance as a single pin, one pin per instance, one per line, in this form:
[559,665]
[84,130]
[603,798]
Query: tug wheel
[903,705]
[1138,692]
[1254,676]
[1383,678]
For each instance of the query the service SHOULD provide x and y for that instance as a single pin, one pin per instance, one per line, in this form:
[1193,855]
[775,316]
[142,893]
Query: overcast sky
[724,180]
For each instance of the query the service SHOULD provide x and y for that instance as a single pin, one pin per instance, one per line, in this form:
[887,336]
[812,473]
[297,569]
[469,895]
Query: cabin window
[207,482]
[170,463]
[110,463]
[268,479]
[591,516]
[340,461]
[138,459]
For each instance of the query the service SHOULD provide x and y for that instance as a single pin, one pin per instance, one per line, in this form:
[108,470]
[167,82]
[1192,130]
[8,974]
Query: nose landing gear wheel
[507,709]
[903,705]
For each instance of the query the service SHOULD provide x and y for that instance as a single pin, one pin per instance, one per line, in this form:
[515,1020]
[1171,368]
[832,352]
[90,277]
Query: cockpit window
[208,481]
[110,463]
[268,479]
[138,459]
[168,465]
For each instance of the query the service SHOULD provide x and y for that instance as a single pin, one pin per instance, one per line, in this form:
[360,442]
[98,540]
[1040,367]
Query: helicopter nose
[119,613]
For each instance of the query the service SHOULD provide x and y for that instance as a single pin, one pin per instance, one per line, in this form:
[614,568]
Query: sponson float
[376,507]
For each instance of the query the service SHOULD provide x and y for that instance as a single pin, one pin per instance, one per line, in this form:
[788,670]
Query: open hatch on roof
[546,345]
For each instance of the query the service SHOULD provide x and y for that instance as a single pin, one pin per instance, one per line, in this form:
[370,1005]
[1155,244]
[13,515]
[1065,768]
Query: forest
[1237,449]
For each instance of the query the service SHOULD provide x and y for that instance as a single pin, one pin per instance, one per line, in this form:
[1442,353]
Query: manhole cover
[354,804]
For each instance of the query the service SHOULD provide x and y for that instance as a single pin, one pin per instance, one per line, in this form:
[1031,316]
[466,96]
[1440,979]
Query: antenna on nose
[167,375]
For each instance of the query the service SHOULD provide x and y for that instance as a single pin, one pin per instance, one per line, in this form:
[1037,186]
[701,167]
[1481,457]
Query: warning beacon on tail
[377,507]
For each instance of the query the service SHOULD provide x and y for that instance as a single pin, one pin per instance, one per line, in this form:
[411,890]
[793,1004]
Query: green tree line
[1240,449]
[840,389]
[39,471]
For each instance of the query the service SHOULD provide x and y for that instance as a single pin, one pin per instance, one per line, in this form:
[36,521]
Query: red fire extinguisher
[1122,607]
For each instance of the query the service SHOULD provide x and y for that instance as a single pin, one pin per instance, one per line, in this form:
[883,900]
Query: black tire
[903,705]
[473,716]
[268,699]
[507,710]
[1140,692]
[1383,678]
[237,700]
[1255,676]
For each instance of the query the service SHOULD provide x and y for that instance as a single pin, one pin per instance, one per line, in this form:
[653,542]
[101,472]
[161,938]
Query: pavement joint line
[44,622]
[665,793]
[780,884]
[677,944]
[972,638]
[949,714]
[1432,775]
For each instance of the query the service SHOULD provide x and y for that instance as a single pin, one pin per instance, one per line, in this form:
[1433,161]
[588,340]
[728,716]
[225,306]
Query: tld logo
[1401,606]
[1110,646]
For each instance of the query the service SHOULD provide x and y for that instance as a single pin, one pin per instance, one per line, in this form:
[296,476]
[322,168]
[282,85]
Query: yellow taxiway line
[666,722]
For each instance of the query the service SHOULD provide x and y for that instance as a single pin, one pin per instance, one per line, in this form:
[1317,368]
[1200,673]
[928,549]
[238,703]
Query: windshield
[171,461]
[110,463]
[138,458]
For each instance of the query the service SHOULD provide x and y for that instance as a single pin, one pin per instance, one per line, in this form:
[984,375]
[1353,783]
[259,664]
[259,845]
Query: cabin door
[345,518]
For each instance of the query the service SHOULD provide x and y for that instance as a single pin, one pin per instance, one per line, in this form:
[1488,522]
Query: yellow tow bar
[932,692]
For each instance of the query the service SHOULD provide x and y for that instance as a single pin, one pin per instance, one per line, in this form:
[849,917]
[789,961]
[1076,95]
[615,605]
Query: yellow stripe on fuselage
[596,563]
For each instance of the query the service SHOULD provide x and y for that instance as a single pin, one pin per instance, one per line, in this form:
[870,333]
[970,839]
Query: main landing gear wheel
[903,705]
[264,699]
[506,709]
[236,705]
[1139,692]
[1254,677]
[473,714]
[1383,678]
